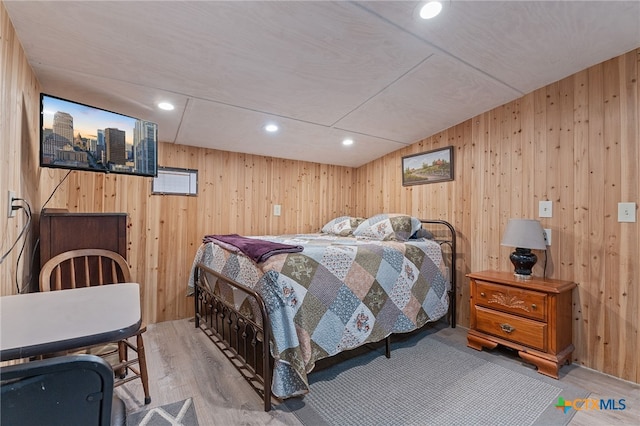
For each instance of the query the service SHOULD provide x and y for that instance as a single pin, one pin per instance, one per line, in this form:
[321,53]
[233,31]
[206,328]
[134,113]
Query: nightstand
[531,316]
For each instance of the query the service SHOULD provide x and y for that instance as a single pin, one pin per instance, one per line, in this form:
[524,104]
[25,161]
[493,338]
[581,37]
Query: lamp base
[523,261]
[522,277]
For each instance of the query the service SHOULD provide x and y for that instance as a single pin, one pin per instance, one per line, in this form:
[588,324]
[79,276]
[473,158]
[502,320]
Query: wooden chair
[90,267]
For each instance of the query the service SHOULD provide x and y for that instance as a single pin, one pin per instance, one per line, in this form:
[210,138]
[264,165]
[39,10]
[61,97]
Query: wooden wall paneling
[530,151]
[564,181]
[11,55]
[540,172]
[315,194]
[291,208]
[177,222]
[321,190]
[345,187]
[612,181]
[207,178]
[508,182]
[252,207]
[551,166]
[514,190]
[593,292]
[581,218]
[526,132]
[376,188]
[138,231]
[323,179]
[282,183]
[19,122]
[462,214]
[233,183]
[328,200]
[443,192]
[275,189]
[261,196]
[152,257]
[493,219]
[479,175]
[630,190]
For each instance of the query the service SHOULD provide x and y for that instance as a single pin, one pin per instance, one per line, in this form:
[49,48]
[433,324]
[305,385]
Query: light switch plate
[626,212]
[277,209]
[545,209]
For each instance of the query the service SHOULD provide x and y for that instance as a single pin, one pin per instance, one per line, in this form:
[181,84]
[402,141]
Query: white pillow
[342,225]
[388,227]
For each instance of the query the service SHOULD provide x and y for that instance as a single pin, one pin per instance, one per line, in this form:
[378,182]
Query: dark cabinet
[62,231]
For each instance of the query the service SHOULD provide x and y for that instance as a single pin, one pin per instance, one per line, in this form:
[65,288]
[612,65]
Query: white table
[40,323]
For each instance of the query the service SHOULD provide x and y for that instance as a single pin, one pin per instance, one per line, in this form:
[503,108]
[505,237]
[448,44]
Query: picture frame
[428,167]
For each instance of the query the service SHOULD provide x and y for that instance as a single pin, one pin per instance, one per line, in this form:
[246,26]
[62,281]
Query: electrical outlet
[277,208]
[626,212]
[547,236]
[10,211]
[545,209]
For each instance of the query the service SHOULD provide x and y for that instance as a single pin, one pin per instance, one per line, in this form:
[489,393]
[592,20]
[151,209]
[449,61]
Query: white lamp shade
[524,233]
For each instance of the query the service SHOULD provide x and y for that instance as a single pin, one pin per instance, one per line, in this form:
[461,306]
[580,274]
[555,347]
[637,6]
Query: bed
[305,297]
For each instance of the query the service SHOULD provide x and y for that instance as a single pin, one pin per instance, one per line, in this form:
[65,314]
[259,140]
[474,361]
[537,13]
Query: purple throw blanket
[255,249]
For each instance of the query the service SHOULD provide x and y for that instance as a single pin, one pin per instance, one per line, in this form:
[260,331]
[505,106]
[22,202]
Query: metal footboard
[241,339]
[445,235]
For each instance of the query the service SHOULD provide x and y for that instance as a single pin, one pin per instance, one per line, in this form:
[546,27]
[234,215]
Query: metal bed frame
[246,343]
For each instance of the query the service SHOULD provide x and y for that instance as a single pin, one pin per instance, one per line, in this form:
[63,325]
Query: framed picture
[428,167]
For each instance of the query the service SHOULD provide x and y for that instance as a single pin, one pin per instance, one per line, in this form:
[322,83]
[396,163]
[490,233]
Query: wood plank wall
[236,195]
[19,97]
[574,142]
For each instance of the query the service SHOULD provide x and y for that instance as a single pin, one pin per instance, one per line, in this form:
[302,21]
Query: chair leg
[142,360]
[387,346]
[122,357]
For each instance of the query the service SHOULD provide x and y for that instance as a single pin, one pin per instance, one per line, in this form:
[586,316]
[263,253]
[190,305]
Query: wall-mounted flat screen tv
[82,137]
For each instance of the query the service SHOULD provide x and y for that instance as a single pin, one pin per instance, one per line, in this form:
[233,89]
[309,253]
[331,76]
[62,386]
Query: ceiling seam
[382,90]
[434,46]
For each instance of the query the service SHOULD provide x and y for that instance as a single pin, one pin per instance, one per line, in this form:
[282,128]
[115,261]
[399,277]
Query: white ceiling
[368,70]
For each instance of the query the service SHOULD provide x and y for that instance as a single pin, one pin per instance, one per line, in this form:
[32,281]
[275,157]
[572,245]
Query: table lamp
[524,235]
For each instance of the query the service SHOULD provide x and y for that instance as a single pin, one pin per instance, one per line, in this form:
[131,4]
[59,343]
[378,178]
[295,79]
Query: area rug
[432,380]
[181,413]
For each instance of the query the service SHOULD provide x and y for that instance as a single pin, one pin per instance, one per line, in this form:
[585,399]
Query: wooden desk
[40,323]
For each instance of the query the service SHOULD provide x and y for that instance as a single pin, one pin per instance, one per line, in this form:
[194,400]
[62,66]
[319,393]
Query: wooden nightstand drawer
[517,329]
[527,303]
[530,316]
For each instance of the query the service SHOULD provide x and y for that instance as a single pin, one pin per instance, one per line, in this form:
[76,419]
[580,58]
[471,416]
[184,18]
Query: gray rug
[181,413]
[432,378]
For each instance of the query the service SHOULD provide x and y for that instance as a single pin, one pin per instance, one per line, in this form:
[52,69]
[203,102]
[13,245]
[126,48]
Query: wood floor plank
[183,363]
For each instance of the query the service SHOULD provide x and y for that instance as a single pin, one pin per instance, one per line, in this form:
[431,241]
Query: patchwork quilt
[337,294]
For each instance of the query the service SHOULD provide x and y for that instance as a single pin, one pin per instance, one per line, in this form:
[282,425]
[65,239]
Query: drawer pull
[534,306]
[507,328]
[482,294]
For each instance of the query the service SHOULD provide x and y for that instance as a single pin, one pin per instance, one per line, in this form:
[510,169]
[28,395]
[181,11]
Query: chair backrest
[66,390]
[83,268]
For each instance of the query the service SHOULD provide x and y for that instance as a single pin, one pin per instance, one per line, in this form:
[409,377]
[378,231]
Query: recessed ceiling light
[271,128]
[166,106]
[430,10]
[347,142]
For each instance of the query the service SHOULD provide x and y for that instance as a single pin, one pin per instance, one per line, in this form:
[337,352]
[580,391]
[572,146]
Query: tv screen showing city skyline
[82,137]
